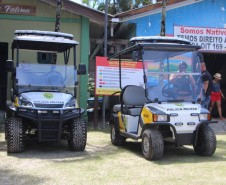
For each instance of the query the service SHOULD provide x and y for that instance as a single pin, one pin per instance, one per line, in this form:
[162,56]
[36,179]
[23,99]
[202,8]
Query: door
[3,75]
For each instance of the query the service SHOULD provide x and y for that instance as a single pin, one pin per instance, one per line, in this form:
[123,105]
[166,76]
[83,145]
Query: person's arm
[222,94]
[206,83]
[173,78]
[193,86]
[192,81]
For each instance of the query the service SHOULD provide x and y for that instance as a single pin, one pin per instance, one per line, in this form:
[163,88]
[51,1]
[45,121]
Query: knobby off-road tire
[152,144]
[15,135]
[206,142]
[8,115]
[78,135]
[116,139]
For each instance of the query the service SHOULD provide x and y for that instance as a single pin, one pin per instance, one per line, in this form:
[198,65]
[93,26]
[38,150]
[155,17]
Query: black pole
[105,55]
[57,26]
[163,20]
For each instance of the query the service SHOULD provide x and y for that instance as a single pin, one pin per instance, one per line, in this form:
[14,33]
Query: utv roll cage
[151,43]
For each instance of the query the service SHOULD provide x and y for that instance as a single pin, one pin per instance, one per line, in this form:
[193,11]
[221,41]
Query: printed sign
[17,9]
[107,75]
[210,39]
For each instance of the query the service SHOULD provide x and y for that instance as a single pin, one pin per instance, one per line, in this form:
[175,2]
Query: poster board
[107,75]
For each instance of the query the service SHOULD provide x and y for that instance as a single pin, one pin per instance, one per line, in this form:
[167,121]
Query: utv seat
[132,100]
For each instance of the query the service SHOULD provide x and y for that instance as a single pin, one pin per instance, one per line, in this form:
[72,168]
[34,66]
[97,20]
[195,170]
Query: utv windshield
[46,77]
[172,75]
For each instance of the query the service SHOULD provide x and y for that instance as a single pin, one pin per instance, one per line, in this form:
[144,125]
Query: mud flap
[114,121]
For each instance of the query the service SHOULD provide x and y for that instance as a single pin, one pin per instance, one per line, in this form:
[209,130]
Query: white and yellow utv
[165,107]
[43,103]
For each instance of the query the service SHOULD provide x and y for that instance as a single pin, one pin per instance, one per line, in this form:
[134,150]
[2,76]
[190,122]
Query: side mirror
[81,69]
[12,96]
[9,66]
[136,56]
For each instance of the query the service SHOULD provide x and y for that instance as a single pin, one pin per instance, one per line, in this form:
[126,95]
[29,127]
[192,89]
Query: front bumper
[184,138]
[49,114]
[49,122]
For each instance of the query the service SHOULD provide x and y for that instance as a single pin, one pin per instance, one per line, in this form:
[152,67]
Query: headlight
[204,117]
[24,102]
[161,117]
[71,103]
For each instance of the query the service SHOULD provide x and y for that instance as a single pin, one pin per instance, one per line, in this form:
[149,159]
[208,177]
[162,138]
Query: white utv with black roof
[43,98]
[160,111]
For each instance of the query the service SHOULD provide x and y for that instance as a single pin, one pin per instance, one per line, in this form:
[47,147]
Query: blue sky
[80,1]
[77,1]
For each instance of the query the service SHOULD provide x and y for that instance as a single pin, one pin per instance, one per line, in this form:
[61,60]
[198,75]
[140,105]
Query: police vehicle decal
[48,95]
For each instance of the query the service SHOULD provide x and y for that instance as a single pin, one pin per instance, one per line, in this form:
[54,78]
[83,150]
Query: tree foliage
[90,3]
[116,6]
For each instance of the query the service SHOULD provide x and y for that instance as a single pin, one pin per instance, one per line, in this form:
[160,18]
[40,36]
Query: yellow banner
[106,91]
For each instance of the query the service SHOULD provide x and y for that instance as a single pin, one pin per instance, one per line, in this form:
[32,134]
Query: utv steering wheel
[171,91]
[53,78]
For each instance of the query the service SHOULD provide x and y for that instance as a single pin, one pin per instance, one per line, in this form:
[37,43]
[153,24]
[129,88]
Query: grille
[39,105]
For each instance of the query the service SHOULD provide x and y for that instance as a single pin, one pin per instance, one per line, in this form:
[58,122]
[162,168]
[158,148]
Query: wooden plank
[17,9]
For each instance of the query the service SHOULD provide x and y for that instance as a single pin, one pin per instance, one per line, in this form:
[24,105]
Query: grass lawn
[103,163]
